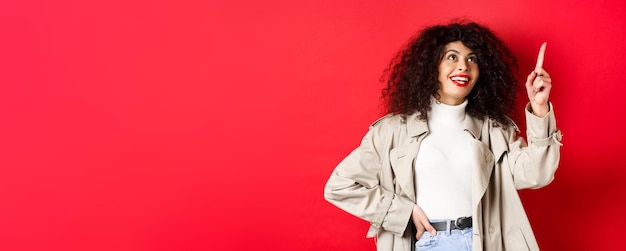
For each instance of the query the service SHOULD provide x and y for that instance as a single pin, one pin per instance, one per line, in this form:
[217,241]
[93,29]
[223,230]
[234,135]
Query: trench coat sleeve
[535,164]
[355,187]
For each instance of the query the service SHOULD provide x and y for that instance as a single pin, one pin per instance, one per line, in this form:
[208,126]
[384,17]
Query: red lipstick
[460,80]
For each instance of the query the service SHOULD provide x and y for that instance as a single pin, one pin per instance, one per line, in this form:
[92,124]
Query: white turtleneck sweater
[443,174]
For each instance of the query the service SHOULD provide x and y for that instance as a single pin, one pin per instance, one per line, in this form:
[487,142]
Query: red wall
[194,125]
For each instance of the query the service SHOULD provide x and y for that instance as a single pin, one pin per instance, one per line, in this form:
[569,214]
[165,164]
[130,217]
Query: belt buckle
[463,222]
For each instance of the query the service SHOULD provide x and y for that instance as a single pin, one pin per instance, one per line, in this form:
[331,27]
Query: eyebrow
[457,52]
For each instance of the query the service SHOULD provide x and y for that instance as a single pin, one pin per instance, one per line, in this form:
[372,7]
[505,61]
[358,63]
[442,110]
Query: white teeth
[460,79]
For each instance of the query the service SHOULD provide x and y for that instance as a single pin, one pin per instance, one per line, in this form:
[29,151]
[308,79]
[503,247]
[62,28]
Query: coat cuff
[395,217]
[542,131]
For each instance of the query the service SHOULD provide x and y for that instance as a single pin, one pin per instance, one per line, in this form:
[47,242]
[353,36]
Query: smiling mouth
[460,80]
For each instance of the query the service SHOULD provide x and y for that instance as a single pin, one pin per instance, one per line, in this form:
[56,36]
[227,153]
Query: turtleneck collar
[447,115]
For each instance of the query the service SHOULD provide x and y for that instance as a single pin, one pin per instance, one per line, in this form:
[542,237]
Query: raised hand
[538,85]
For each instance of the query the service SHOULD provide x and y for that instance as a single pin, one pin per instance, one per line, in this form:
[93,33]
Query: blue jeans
[453,240]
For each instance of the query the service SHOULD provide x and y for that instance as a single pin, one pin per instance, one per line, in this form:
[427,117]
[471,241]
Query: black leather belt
[459,224]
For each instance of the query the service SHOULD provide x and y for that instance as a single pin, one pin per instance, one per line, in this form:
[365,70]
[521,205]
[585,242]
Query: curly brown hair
[411,78]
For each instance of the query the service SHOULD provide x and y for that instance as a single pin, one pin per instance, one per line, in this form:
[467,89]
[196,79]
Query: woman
[442,170]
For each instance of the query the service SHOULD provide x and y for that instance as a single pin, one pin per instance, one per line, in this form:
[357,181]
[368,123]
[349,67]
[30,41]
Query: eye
[472,59]
[452,57]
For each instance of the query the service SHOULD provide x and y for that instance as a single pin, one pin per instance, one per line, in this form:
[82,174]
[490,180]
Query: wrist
[539,110]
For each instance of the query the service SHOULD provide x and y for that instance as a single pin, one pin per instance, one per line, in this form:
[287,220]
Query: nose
[462,65]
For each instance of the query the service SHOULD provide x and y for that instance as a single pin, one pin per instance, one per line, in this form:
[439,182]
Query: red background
[195,125]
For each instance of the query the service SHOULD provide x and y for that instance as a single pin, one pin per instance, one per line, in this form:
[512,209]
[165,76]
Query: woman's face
[458,73]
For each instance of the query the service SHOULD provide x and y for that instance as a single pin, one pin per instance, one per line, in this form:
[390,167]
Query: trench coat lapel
[481,174]
[484,163]
[402,158]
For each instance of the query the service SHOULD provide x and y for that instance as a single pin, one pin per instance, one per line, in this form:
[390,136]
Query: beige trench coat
[376,181]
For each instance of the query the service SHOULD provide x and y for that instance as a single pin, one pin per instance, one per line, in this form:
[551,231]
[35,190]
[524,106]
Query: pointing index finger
[542,51]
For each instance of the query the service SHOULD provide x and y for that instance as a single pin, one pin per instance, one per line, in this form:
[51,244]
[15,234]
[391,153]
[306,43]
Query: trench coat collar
[417,126]
[474,126]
